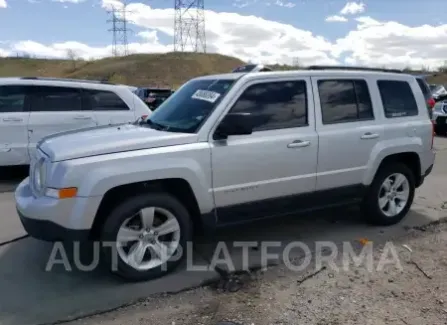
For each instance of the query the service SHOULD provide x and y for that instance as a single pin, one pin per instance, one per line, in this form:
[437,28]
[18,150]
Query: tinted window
[424,87]
[12,99]
[397,98]
[275,105]
[344,101]
[55,99]
[100,100]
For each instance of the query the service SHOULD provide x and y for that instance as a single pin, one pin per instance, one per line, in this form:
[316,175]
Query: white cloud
[3,4]
[286,4]
[336,18]
[389,43]
[372,42]
[352,8]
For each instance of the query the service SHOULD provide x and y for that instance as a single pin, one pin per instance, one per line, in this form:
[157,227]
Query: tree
[73,57]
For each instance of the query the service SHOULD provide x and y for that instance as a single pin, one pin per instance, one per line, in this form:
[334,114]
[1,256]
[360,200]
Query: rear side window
[100,100]
[344,101]
[424,87]
[55,99]
[397,98]
[12,99]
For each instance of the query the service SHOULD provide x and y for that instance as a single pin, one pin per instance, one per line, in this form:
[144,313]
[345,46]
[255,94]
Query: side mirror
[234,124]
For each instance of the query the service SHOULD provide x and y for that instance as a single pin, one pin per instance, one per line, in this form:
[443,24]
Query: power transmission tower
[119,29]
[189,26]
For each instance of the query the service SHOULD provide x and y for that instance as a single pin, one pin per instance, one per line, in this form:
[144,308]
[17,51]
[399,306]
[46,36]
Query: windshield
[189,107]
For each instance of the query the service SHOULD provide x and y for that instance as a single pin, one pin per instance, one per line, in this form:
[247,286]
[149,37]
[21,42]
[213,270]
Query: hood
[108,139]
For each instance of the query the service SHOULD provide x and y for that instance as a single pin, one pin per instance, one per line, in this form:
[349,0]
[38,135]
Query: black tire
[440,130]
[371,207]
[130,207]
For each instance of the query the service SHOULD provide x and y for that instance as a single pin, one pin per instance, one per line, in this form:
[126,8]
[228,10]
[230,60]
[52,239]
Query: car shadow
[33,292]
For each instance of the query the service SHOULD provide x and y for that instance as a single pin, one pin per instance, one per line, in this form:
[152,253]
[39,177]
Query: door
[54,110]
[107,107]
[262,174]
[347,130]
[13,126]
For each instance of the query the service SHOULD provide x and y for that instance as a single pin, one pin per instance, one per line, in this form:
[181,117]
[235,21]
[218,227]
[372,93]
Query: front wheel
[390,196]
[146,236]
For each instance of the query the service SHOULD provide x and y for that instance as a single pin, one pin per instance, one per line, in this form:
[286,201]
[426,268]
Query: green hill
[169,69]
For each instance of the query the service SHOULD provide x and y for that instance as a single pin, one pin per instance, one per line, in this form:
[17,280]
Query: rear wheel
[390,195]
[148,235]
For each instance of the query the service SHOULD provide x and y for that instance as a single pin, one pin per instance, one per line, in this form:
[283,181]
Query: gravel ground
[412,294]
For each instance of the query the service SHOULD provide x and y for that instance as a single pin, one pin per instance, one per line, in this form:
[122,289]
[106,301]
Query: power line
[119,20]
[189,26]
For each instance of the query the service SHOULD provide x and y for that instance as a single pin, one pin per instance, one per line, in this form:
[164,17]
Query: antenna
[189,26]
[120,45]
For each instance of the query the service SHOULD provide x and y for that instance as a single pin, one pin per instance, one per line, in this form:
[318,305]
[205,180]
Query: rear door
[56,109]
[108,107]
[14,116]
[348,128]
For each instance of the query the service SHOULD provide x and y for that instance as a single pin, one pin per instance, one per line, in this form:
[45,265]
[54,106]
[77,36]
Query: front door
[54,110]
[262,174]
[13,126]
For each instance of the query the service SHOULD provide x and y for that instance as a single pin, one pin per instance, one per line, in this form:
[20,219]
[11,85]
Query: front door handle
[12,119]
[298,144]
[82,118]
[369,135]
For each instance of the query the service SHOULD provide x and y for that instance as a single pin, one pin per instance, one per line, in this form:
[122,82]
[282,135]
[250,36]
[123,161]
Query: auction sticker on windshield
[208,95]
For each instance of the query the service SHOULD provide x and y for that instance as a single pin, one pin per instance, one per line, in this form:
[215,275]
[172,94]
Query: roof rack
[332,67]
[68,80]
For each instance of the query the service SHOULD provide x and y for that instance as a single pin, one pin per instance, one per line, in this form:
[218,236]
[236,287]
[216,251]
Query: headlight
[39,175]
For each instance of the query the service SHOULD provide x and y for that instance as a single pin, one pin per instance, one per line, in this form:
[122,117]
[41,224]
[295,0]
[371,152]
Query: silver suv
[232,148]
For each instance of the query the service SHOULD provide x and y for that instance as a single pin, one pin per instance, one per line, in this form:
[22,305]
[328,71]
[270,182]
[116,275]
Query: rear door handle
[369,135]
[298,144]
[12,119]
[82,118]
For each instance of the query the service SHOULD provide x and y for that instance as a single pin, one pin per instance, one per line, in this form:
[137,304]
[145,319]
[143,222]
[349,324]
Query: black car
[153,97]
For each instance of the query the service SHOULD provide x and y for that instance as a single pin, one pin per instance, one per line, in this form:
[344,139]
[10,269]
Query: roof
[61,82]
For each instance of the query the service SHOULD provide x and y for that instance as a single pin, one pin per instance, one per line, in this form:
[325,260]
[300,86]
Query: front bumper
[53,219]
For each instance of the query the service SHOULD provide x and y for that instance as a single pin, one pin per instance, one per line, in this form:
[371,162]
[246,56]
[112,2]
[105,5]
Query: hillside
[170,69]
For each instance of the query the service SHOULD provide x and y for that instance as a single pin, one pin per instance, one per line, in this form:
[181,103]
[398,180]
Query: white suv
[232,148]
[32,108]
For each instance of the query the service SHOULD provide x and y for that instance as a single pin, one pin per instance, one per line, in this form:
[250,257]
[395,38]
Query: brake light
[431,103]
[144,117]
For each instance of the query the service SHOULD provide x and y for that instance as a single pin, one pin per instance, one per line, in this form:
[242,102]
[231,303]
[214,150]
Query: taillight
[431,103]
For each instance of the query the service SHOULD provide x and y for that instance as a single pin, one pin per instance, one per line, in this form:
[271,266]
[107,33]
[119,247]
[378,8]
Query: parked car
[228,149]
[153,97]
[438,91]
[439,118]
[32,108]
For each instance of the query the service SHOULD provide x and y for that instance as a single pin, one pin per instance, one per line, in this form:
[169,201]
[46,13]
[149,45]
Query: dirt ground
[410,289]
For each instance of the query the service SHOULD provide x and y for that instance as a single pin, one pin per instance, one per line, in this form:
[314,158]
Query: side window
[55,99]
[397,98]
[12,99]
[344,101]
[275,105]
[101,100]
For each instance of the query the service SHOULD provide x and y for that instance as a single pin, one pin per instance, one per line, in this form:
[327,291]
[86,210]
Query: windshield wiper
[157,126]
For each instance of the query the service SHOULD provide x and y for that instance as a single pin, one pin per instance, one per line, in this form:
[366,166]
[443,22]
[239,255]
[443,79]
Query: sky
[385,33]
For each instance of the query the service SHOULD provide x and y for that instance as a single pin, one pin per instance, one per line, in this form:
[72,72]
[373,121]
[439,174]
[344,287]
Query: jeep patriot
[232,148]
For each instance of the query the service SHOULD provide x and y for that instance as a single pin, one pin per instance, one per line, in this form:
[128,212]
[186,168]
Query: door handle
[298,144]
[82,118]
[12,119]
[369,135]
